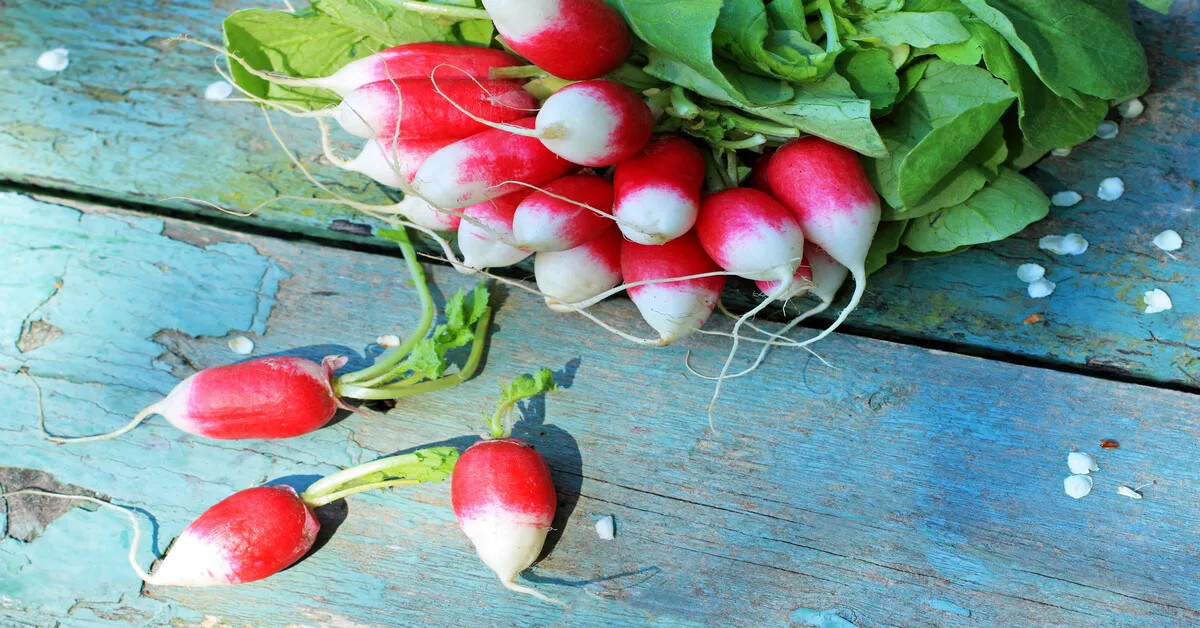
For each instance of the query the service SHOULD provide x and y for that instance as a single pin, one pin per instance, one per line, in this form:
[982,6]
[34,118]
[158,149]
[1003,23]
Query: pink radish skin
[675,309]
[413,108]
[579,273]
[571,39]
[544,223]
[595,123]
[658,190]
[479,248]
[248,536]
[395,167]
[826,188]
[480,167]
[504,501]
[751,235]
[413,61]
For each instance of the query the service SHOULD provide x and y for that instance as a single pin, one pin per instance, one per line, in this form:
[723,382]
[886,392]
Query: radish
[418,109]
[826,188]
[571,39]
[748,233]
[483,247]
[579,273]
[486,165]
[658,191]
[392,163]
[674,309]
[552,219]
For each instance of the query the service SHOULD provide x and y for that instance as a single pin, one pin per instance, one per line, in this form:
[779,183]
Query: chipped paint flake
[1107,130]
[1030,272]
[219,90]
[241,345]
[1169,240]
[55,60]
[1061,152]
[1081,463]
[1128,492]
[1157,301]
[1068,198]
[388,341]
[1041,288]
[1131,108]
[1077,486]
[1111,189]
[1070,244]
[606,528]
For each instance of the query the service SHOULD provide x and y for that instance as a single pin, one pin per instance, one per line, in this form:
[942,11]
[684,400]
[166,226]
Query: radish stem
[425,465]
[459,14]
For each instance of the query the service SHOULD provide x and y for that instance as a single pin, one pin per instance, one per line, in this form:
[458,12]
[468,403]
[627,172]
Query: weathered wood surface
[906,487]
[126,121]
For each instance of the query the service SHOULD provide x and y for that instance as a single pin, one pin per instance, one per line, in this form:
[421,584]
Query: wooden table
[916,483]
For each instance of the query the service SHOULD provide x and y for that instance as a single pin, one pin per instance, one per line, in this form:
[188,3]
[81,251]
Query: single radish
[419,109]
[674,309]
[579,273]
[657,192]
[481,244]
[553,218]
[750,234]
[393,163]
[487,165]
[571,39]
[826,188]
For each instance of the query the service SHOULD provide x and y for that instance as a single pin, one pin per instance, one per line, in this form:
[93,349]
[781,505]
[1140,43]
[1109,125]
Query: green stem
[496,422]
[682,106]
[426,465]
[328,498]
[458,14]
[754,140]
[516,72]
[384,363]
[331,484]
[830,24]
[750,125]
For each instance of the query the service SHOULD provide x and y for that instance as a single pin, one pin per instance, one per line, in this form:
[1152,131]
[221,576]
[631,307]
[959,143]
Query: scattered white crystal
[1111,189]
[606,528]
[1107,130]
[1081,463]
[1030,272]
[1131,108]
[1157,301]
[1168,240]
[1061,152]
[219,90]
[54,60]
[1070,244]
[1041,288]
[241,345]
[1077,486]
[1128,492]
[1065,199]
[388,341]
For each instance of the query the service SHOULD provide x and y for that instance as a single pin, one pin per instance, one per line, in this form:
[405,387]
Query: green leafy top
[501,422]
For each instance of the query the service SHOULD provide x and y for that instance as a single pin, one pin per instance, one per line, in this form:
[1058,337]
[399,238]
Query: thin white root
[860,287]
[270,77]
[783,288]
[512,586]
[137,529]
[762,354]
[137,420]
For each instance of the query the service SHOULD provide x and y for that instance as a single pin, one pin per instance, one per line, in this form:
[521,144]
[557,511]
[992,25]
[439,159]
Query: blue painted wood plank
[904,487]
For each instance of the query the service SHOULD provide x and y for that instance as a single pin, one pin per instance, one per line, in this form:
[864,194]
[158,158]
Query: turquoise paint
[949,607]
[820,619]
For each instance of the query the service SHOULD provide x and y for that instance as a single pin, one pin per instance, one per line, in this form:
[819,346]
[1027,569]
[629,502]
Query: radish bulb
[658,190]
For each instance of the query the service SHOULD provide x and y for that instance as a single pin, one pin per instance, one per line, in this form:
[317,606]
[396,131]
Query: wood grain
[903,487]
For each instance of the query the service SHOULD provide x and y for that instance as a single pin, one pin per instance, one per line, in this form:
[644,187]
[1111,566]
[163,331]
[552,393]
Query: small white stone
[1030,272]
[1066,199]
[1077,486]
[606,528]
[1107,130]
[1131,108]
[241,345]
[1070,244]
[54,60]
[1041,288]
[219,90]
[1111,189]
[1168,240]
[1128,492]
[1081,463]
[388,341]
[1061,152]
[1157,301]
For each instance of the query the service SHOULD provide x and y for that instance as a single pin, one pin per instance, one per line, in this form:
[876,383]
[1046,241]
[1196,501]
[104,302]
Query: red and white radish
[419,109]
[579,273]
[826,188]
[749,234]
[504,500]
[595,123]
[393,163]
[555,219]
[657,192]
[675,309]
[571,39]
[487,165]
[482,238]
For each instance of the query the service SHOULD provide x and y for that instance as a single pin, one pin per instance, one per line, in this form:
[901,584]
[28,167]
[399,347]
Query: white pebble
[1131,108]
[1107,130]
[1065,199]
[1070,244]
[1128,492]
[1081,463]
[1030,272]
[1061,152]
[606,528]
[218,91]
[1077,486]
[1157,301]
[1111,189]
[241,345]
[1168,240]
[388,341]
[1041,288]
[54,60]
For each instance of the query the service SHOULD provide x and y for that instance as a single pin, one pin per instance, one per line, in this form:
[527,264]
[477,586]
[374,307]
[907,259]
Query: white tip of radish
[1030,273]
[241,345]
[1041,288]
[388,341]
[1061,152]
[1131,108]
[506,546]
[1077,486]
[1066,199]
[1111,189]
[1070,244]
[674,312]
[1168,240]
[1128,492]
[654,215]
[194,562]
[1107,130]
[606,528]
[1157,301]
[54,60]
[219,90]
[1081,463]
